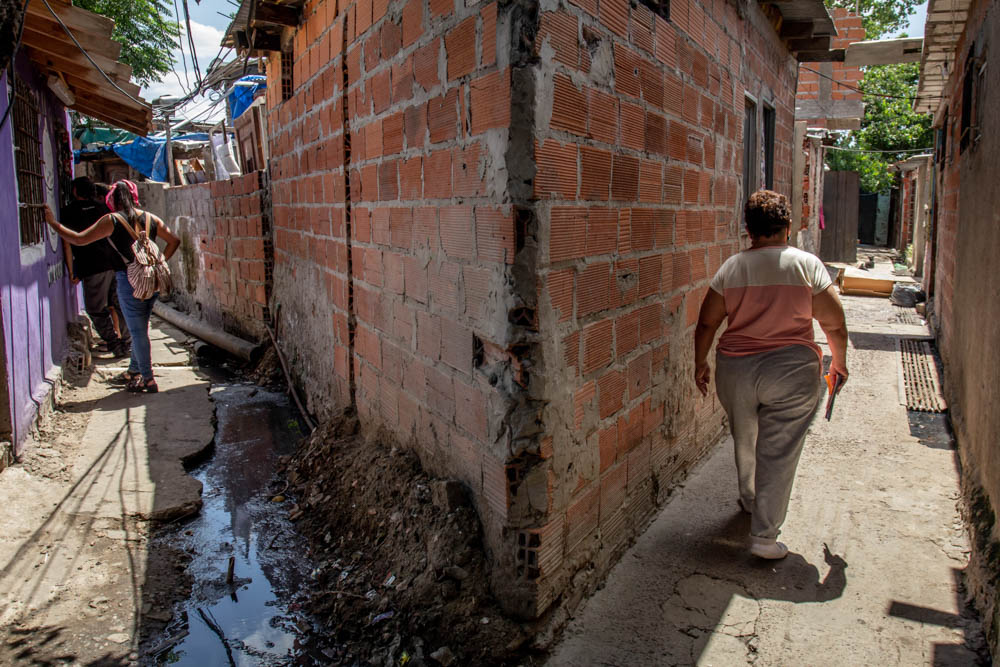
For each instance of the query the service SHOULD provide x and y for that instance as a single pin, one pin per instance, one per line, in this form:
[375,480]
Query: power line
[872,150]
[857,90]
[180,44]
[87,55]
[194,55]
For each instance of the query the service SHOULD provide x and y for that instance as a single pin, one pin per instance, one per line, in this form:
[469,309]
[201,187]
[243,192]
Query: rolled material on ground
[228,342]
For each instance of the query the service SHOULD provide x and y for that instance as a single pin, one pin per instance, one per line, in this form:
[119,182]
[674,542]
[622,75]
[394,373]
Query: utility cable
[87,55]
[17,45]
[180,44]
[194,55]
[872,150]
[857,90]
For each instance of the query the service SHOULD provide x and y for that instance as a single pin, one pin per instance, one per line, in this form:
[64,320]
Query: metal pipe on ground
[231,344]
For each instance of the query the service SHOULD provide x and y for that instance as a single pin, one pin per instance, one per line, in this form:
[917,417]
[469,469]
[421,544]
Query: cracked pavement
[877,549]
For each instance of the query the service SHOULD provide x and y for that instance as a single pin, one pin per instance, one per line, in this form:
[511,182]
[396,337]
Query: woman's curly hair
[767,213]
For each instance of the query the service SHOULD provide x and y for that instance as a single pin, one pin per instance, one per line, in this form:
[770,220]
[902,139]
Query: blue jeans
[136,314]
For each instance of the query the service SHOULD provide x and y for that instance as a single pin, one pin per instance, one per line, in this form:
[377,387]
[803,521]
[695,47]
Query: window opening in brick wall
[750,165]
[659,7]
[972,85]
[28,161]
[769,146]
[287,70]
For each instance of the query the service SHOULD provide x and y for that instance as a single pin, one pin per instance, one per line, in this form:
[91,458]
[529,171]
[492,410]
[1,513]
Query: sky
[208,25]
[207,29]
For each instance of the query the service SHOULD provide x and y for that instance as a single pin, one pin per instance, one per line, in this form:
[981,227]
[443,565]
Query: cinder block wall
[493,228]
[222,270]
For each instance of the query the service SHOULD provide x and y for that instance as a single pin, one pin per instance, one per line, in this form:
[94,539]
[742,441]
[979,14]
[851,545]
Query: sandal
[123,378]
[137,385]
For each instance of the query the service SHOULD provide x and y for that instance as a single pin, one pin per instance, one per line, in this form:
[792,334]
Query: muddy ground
[401,575]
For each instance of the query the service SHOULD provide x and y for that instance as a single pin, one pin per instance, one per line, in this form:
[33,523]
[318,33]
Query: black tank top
[123,240]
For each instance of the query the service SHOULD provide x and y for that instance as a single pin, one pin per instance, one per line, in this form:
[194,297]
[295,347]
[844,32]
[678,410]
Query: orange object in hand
[834,381]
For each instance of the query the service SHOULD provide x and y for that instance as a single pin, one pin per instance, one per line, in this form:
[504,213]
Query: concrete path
[877,545]
[78,580]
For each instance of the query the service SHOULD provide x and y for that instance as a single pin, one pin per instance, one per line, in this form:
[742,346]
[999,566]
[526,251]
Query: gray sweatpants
[770,399]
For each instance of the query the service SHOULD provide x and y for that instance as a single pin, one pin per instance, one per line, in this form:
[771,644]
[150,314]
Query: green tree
[890,124]
[880,17]
[147,38]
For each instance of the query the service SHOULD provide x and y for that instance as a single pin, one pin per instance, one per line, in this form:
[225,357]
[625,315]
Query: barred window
[28,160]
[287,73]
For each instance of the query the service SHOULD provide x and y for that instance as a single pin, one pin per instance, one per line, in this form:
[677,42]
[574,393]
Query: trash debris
[444,656]
[385,616]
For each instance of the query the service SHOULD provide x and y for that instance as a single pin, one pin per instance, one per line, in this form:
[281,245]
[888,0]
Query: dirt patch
[401,572]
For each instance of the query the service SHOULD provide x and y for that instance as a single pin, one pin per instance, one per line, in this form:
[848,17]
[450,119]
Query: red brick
[639,375]
[425,65]
[401,228]
[595,173]
[597,342]
[392,134]
[489,49]
[625,178]
[560,287]
[569,105]
[627,333]
[415,125]
[582,398]
[614,14]
[415,277]
[490,102]
[556,170]
[471,410]
[477,291]
[456,345]
[442,117]
[413,21]
[568,233]
[650,325]
[410,183]
[602,231]
[437,175]
[441,7]
[582,516]
[460,47]
[593,288]
[571,350]
[603,116]
[457,237]
[608,445]
[468,181]
[650,182]
[429,335]
[559,30]
[443,282]
[495,235]
[626,69]
[633,126]
[610,393]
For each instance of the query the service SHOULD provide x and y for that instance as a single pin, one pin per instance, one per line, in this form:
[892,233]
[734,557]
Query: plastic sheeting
[242,96]
[146,155]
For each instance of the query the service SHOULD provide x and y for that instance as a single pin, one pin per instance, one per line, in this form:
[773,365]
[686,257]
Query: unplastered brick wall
[222,269]
[493,226]
[638,144]
[833,81]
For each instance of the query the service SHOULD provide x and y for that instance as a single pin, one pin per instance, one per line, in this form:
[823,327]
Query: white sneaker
[767,547]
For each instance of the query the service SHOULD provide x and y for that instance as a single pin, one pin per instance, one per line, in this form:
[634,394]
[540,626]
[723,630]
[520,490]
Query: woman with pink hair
[123,200]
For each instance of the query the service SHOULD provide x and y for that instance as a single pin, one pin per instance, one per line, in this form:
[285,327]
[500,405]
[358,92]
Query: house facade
[493,225]
[960,86]
[37,300]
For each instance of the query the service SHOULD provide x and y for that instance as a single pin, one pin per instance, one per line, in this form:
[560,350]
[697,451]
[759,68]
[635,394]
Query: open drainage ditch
[255,616]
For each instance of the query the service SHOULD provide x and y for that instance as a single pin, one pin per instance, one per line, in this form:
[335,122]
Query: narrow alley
[878,547]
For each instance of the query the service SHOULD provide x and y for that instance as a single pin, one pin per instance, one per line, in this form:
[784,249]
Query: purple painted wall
[36,298]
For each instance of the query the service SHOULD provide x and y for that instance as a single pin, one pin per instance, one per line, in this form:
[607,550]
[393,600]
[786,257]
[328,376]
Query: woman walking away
[121,227]
[767,365]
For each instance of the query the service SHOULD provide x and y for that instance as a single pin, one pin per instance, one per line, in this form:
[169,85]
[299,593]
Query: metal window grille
[28,160]
[287,70]
[768,147]
[751,165]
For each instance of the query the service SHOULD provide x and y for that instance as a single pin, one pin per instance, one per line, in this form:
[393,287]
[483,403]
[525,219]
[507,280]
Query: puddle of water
[258,615]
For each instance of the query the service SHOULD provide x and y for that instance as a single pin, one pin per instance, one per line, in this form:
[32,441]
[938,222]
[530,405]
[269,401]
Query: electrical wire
[194,54]
[17,45]
[872,150]
[180,44]
[87,55]
[857,90]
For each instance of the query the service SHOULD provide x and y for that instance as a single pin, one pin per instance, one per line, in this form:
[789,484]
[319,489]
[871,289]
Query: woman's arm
[68,254]
[713,312]
[830,315]
[99,230]
[163,232]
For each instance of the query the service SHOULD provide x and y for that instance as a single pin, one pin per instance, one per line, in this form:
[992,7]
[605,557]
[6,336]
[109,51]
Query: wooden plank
[265,41]
[100,113]
[275,14]
[885,52]
[65,55]
[821,56]
[50,29]
[75,19]
[796,30]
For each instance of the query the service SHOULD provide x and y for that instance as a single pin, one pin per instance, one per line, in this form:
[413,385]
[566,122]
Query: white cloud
[207,42]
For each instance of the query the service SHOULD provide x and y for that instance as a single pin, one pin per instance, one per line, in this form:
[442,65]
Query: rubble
[401,573]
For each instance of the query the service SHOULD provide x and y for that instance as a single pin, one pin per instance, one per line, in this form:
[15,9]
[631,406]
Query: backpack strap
[125,223]
[149,219]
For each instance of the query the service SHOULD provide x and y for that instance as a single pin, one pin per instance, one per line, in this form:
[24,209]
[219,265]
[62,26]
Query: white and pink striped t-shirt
[768,293]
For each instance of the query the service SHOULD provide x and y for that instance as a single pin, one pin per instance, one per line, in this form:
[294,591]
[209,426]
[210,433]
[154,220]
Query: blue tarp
[242,96]
[145,155]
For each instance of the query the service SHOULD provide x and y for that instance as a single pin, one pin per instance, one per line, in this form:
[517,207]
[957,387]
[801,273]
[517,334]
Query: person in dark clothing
[94,265]
[123,202]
